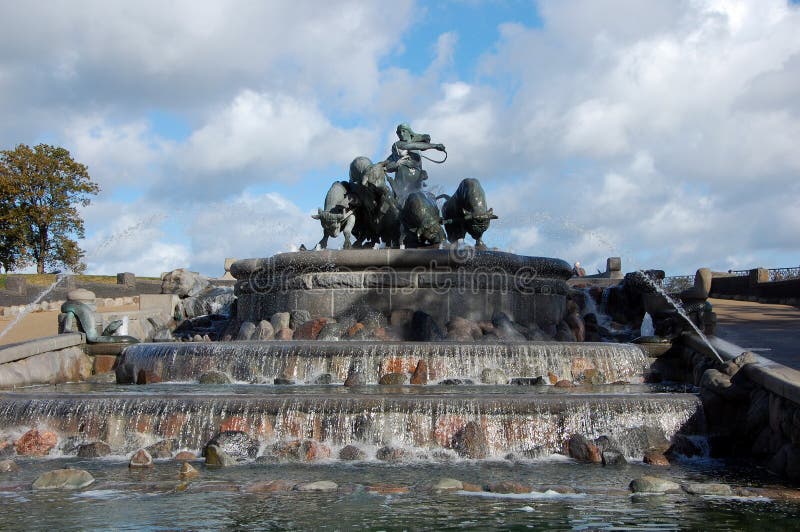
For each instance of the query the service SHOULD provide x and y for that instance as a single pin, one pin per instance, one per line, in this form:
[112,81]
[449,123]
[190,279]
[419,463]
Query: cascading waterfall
[303,361]
[521,424]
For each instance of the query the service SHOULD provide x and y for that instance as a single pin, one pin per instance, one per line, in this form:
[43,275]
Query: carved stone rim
[403,260]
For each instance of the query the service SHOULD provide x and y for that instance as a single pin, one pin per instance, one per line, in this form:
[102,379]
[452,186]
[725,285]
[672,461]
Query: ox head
[332,222]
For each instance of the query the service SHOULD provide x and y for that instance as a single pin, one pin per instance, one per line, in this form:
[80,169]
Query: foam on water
[549,494]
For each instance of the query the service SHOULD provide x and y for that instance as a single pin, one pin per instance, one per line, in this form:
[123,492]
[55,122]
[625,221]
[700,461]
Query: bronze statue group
[377,208]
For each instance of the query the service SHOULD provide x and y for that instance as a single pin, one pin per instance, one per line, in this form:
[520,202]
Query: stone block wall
[756,287]
[751,404]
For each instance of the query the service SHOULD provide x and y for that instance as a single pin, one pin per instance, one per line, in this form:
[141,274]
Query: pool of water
[597,498]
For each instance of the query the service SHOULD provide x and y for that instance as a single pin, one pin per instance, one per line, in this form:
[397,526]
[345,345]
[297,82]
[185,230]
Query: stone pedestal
[16,285]
[126,279]
[67,322]
[443,283]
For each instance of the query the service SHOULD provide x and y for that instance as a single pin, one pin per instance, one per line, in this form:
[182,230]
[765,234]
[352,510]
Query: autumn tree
[40,190]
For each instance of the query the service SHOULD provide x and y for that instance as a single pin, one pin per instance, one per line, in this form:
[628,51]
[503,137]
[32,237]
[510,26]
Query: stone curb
[22,350]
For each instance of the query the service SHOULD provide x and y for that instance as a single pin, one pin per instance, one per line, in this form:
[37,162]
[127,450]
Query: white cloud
[249,226]
[117,155]
[276,134]
[132,238]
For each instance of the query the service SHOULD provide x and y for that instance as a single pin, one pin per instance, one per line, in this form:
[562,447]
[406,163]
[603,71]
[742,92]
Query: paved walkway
[772,331]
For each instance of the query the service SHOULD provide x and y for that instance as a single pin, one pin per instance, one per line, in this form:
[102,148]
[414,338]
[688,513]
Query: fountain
[386,371]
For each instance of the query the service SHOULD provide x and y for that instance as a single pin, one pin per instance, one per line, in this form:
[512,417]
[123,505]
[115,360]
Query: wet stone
[393,379]
[355,377]
[331,332]
[372,319]
[301,450]
[310,329]
[357,331]
[320,485]
[685,446]
[325,378]
[65,479]
[214,377]
[284,334]
[507,486]
[7,448]
[264,331]
[649,484]
[215,456]
[8,466]
[298,318]
[351,452]
[94,450]
[424,328]
[246,331]
[269,486]
[456,382]
[696,488]
[280,320]
[613,458]
[140,459]
[161,449]
[420,376]
[237,444]
[583,450]
[36,443]
[655,457]
[470,441]
[528,381]
[391,454]
[564,383]
[283,381]
[187,471]
[185,455]
[448,484]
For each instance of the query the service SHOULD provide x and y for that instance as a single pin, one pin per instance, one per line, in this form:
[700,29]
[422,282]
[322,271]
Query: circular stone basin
[405,259]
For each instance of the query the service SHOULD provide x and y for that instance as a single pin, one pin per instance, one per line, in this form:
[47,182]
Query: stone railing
[778,285]
[775,274]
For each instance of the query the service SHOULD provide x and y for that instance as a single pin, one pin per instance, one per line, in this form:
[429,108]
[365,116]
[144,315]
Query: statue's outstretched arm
[419,146]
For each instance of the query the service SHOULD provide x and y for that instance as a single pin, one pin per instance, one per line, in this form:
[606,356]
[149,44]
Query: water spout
[647,328]
[681,312]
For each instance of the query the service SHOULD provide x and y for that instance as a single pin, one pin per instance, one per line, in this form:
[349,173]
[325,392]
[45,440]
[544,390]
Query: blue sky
[659,131]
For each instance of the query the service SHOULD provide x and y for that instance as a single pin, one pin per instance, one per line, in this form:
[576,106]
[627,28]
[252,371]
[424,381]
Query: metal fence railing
[784,274]
[677,283]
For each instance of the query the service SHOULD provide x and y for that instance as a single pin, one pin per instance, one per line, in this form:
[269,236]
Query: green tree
[40,189]
[13,253]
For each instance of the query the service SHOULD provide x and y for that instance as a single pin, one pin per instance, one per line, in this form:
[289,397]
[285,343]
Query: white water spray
[30,306]
[679,308]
